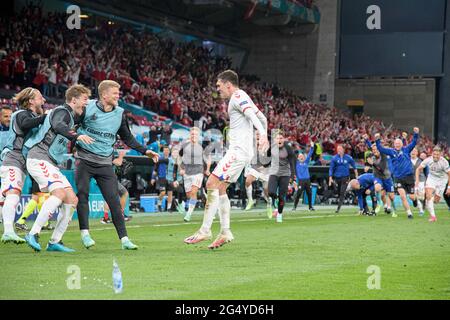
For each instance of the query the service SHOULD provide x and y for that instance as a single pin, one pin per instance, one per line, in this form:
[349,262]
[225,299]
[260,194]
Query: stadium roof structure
[226,19]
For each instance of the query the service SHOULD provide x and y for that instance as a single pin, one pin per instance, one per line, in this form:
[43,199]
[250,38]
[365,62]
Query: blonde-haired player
[192,169]
[46,151]
[104,120]
[13,169]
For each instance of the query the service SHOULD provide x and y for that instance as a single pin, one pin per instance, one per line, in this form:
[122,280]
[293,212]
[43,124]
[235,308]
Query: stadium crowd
[176,80]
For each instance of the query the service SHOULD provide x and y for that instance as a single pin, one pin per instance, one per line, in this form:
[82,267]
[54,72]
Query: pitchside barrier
[148,202]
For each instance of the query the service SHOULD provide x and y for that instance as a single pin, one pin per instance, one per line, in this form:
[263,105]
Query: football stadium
[248,150]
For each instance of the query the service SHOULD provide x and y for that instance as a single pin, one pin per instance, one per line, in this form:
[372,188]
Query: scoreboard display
[395,38]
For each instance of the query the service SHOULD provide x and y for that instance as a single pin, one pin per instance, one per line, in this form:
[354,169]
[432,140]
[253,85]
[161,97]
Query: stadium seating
[158,76]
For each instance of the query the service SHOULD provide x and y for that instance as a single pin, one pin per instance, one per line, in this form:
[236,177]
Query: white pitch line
[239,220]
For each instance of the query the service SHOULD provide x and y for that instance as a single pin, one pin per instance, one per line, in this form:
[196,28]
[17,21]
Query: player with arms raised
[438,180]
[402,167]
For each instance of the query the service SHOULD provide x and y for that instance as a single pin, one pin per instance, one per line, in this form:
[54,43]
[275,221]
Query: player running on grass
[192,169]
[437,182]
[402,168]
[244,115]
[282,172]
[13,169]
[46,151]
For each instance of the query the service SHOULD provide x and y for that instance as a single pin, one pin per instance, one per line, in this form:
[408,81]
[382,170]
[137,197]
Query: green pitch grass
[316,255]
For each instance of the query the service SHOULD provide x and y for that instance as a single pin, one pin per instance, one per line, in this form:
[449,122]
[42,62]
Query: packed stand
[176,80]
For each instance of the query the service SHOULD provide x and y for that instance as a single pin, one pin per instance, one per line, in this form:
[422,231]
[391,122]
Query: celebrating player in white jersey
[243,116]
[438,177]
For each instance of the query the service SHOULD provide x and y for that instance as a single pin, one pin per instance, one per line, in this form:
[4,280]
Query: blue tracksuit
[361,195]
[366,182]
[401,160]
[301,168]
[162,167]
[340,167]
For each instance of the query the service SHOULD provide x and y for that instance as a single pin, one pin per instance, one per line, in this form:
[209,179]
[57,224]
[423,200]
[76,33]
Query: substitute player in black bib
[103,121]
[13,170]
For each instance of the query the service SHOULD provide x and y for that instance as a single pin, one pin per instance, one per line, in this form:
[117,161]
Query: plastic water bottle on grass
[117,278]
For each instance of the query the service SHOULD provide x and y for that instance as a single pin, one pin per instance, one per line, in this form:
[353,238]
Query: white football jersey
[241,128]
[438,169]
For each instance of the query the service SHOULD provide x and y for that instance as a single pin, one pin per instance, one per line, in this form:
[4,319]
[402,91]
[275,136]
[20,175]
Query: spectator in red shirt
[187,121]
[19,72]
[176,109]
[164,106]
[5,73]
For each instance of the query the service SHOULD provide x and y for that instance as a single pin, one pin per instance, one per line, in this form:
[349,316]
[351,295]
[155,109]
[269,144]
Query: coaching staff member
[340,173]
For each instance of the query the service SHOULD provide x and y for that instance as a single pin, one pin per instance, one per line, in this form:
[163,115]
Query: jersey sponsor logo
[107,135]
[243,103]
